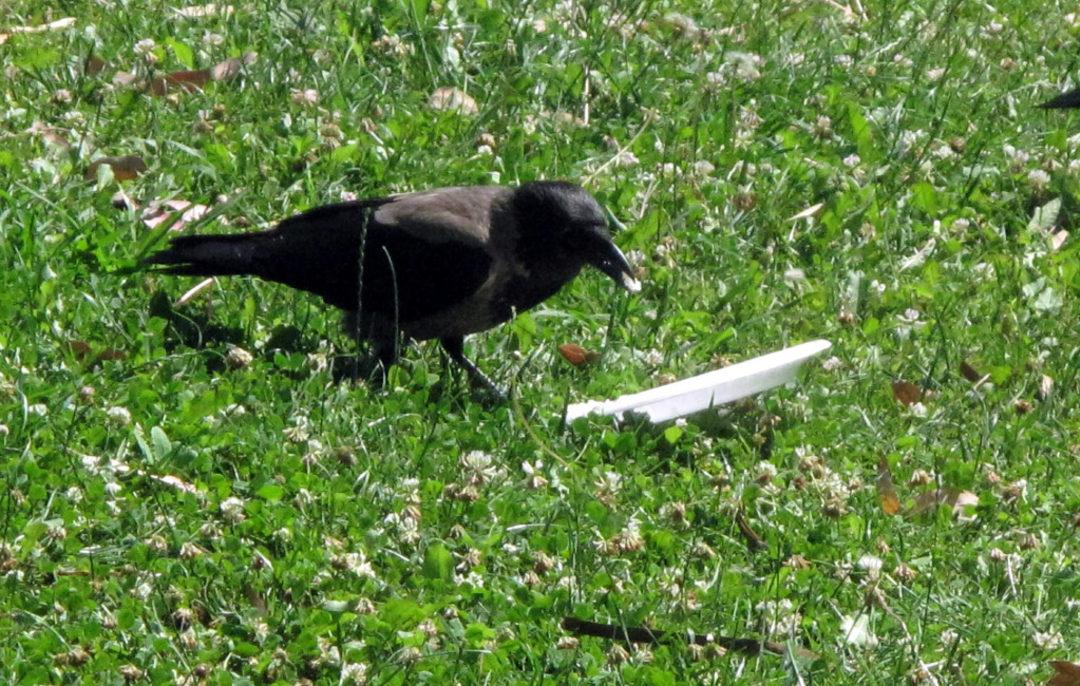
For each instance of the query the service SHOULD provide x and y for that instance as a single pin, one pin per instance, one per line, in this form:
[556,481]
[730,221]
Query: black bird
[442,263]
[1068,100]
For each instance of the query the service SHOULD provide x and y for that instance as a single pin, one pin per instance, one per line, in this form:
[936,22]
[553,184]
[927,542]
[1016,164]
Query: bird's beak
[607,257]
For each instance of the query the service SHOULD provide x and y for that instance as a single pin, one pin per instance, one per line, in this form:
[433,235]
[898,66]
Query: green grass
[310,530]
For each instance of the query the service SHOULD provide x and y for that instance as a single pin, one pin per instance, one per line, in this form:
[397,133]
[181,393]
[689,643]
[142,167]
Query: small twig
[753,540]
[633,634]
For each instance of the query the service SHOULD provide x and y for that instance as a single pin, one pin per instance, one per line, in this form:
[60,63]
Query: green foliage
[175,511]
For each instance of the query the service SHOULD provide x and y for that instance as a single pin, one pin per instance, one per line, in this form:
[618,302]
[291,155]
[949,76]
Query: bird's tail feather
[210,255]
[1067,100]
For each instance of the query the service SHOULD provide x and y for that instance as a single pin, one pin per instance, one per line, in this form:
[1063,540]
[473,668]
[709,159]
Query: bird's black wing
[424,252]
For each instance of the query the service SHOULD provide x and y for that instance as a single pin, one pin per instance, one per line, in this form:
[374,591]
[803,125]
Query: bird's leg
[384,351]
[455,348]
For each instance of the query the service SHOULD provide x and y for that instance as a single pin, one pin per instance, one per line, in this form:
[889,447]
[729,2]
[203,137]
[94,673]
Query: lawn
[189,496]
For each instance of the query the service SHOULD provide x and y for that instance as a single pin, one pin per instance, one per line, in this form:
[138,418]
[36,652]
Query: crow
[1068,100]
[435,264]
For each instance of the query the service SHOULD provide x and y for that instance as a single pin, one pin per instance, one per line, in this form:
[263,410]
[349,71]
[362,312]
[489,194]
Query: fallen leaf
[807,213]
[111,355]
[80,349]
[857,631]
[906,392]
[452,100]
[576,355]
[886,489]
[232,66]
[969,372]
[93,65]
[1057,239]
[201,11]
[1044,217]
[157,213]
[956,499]
[124,167]
[1065,673]
[187,81]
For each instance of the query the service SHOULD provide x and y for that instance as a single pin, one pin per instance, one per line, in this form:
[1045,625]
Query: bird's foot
[358,368]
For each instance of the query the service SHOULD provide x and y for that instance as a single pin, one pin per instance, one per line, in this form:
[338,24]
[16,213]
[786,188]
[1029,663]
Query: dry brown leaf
[124,167]
[890,502]
[1065,673]
[79,348]
[93,65]
[969,372]
[577,355]
[956,499]
[157,213]
[187,81]
[111,355]
[906,392]
[452,100]
[232,66]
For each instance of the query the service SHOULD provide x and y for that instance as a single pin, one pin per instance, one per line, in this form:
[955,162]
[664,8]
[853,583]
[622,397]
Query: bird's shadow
[196,330]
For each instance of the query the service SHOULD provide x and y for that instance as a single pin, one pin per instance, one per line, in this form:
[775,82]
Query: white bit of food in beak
[630,283]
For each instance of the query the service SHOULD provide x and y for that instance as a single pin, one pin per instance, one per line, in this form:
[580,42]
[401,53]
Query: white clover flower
[237,358]
[832,364]
[358,564]
[354,673]
[233,509]
[703,168]
[625,158]
[1038,179]
[778,617]
[306,96]
[118,416]
[145,47]
[1047,640]
[871,564]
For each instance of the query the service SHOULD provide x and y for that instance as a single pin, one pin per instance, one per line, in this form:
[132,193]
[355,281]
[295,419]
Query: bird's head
[561,221]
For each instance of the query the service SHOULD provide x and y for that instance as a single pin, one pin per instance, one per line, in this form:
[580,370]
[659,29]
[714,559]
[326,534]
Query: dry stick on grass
[635,634]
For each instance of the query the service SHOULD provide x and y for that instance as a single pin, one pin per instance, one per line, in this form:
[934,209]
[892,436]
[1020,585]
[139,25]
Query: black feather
[1068,100]
[405,276]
